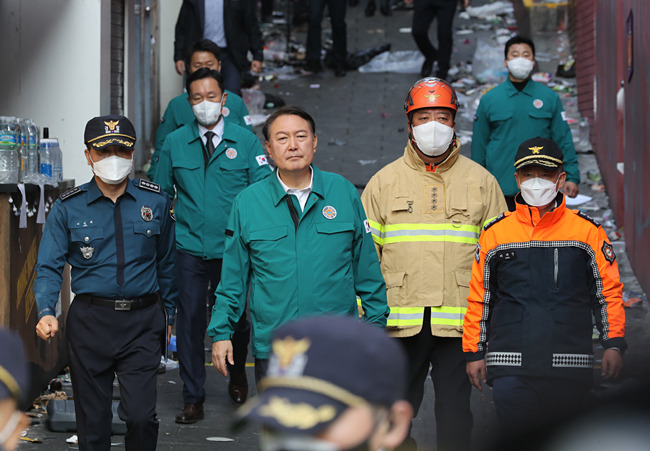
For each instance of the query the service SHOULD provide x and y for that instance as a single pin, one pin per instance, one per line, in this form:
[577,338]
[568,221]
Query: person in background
[203,53]
[514,111]
[424,11]
[118,236]
[541,273]
[426,210]
[339,54]
[14,383]
[232,25]
[333,384]
[205,164]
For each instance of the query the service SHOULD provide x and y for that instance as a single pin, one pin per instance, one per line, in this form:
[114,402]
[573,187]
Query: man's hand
[467,3]
[222,350]
[571,189]
[477,372]
[169,333]
[180,67]
[47,327]
[256,66]
[612,364]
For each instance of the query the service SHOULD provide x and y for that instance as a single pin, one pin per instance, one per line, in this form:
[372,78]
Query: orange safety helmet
[431,92]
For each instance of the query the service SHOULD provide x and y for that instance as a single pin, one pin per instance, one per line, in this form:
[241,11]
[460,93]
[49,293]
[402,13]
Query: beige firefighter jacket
[426,227]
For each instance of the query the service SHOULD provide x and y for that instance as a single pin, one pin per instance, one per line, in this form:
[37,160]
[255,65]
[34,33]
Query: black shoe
[370,9]
[427,67]
[339,71]
[313,67]
[385,10]
[238,387]
[191,413]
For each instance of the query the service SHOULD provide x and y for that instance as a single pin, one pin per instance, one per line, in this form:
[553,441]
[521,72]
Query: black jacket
[242,30]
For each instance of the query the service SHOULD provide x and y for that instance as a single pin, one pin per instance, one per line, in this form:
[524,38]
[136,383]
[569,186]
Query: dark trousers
[102,342]
[450,382]
[194,275]
[261,368]
[525,404]
[339,31]
[231,74]
[424,11]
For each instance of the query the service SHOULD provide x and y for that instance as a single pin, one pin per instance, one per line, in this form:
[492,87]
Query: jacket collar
[530,215]
[278,193]
[94,193]
[414,161]
[511,90]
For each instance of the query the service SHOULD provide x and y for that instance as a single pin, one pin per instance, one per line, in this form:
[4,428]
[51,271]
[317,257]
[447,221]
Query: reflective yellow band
[358,302]
[398,233]
[413,316]
[405,316]
[448,316]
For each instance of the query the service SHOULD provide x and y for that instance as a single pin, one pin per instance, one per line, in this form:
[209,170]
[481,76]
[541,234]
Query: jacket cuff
[45,312]
[616,342]
[221,337]
[474,356]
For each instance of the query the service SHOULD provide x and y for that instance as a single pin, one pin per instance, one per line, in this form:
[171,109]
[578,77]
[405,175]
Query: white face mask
[433,138]
[538,192]
[207,113]
[520,68]
[112,170]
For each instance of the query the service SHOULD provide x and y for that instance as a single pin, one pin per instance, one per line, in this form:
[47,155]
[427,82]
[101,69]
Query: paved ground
[361,127]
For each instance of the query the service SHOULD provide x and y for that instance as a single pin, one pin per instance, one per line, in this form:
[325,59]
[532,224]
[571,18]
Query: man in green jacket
[203,53]
[515,111]
[302,238]
[206,163]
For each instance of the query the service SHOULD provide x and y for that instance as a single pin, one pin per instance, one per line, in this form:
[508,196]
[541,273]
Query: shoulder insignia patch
[149,186]
[69,193]
[588,218]
[494,221]
[608,252]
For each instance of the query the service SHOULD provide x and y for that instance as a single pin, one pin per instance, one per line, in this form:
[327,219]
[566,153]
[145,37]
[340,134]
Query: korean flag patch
[261,160]
[608,252]
[477,255]
[366,224]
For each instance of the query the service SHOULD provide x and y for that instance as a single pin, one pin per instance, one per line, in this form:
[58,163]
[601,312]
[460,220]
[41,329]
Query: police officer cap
[14,372]
[111,130]
[320,367]
[539,151]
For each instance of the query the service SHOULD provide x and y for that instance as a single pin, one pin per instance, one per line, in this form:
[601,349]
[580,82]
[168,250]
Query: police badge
[87,251]
[146,213]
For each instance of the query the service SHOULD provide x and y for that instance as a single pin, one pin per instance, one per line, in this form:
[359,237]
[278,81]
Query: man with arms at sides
[426,210]
[232,25]
[302,239]
[541,273]
[513,112]
[206,163]
[203,53]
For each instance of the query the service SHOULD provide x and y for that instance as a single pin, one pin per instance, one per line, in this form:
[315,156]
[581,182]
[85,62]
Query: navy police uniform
[123,260]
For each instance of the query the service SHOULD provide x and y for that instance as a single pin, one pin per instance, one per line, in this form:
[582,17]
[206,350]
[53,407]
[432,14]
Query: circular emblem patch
[225,111]
[329,212]
[146,213]
[231,153]
[537,103]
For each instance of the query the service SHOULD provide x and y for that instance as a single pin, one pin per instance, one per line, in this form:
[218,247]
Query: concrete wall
[55,69]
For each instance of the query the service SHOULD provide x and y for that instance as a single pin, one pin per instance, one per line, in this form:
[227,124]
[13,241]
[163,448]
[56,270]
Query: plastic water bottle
[32,168]
[47,147]
[57,162]
[9,162]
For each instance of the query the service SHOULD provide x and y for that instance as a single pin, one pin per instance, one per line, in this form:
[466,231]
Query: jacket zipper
[556,266]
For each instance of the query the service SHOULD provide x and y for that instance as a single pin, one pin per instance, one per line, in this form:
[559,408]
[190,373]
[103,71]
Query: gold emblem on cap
[431,97]
[536,149]
[286,350]
[111,124]
[299,415]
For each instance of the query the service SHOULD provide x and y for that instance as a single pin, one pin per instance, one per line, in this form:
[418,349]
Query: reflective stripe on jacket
[425,226]
[536,285]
